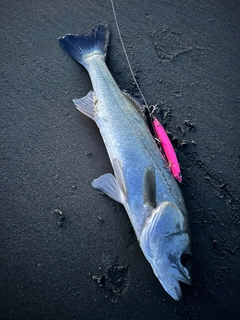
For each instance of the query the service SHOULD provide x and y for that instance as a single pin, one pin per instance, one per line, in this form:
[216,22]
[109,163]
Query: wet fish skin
[141,183]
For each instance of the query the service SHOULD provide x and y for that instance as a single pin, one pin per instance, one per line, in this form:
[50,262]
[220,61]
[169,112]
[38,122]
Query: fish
[141,182]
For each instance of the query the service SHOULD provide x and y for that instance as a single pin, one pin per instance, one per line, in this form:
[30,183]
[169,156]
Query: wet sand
[68,252]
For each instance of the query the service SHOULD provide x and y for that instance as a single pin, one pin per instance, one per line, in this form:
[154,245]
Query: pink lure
[168,149]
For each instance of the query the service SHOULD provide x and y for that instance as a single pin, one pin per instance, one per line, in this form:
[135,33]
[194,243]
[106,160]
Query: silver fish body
[141,182]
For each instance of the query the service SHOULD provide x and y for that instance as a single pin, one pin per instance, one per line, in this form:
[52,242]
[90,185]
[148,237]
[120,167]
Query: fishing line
[126,55]
[148,110]
[156,128]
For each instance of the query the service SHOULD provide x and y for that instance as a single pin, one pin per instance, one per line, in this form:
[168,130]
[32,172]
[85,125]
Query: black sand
[67,252]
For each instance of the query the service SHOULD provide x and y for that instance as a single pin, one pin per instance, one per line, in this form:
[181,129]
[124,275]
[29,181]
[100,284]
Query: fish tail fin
[80,47]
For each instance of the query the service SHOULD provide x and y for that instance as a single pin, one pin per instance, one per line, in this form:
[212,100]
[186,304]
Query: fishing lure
[164,143]
[168,149]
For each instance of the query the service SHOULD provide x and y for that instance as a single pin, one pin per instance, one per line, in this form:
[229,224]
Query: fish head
[165,243]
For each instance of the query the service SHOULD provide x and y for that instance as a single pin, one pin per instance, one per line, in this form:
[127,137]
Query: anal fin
[108,184]
[86,105]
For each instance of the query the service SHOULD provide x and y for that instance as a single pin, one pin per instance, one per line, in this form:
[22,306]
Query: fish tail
[81,47]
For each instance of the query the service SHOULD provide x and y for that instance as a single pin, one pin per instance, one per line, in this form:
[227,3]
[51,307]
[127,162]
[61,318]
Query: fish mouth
[180,269]
[171,283]
[177,272]
[173,287]
[181,274]
[185,267]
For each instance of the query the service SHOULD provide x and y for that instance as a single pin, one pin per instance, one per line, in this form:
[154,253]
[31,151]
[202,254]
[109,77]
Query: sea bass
[141,182]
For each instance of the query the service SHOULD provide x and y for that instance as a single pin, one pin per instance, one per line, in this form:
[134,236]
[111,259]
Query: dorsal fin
[149,187]
[136,102]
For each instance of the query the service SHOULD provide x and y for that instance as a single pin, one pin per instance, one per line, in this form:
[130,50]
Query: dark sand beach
[68,252]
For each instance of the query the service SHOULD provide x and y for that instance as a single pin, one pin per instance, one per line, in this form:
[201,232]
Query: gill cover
[165,241]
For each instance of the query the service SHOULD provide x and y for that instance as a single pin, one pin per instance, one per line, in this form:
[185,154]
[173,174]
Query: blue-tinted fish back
[79,45]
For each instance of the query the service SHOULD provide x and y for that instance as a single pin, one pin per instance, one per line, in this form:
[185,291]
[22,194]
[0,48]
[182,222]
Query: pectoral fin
[86,105]
[108,184]
[149,187]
